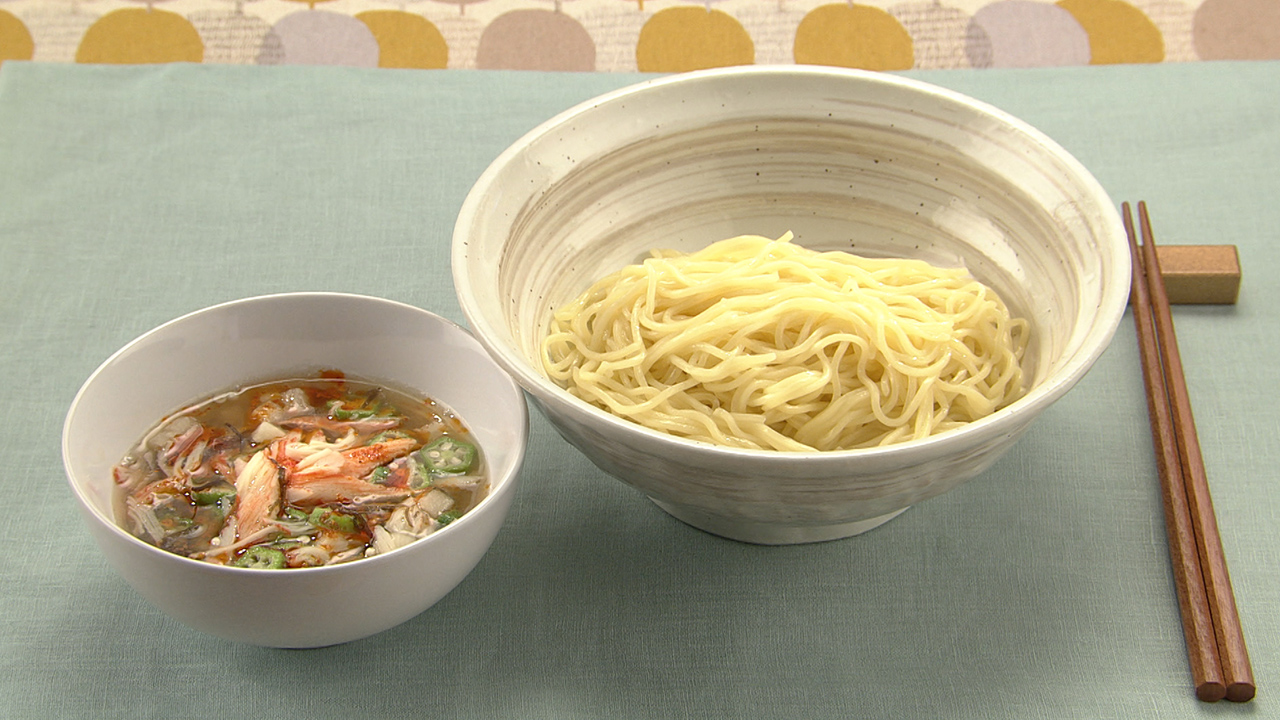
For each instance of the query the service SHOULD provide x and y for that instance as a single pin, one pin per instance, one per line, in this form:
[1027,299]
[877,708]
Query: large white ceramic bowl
[869,163]
[267,338]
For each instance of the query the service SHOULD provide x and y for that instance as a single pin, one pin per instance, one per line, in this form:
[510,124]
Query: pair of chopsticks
[1215,642]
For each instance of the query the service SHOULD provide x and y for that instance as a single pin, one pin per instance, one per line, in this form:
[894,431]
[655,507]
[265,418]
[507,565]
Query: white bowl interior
[862,162]
[268,338]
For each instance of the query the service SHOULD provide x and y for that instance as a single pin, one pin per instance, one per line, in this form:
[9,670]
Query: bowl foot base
[771,533]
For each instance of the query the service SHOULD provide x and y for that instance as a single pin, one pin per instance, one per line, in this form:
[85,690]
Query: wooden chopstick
[1211,623]
[1197,621]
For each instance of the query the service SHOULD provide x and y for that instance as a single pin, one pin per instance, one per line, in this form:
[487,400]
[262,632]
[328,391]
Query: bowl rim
[1007,420]
[509,479]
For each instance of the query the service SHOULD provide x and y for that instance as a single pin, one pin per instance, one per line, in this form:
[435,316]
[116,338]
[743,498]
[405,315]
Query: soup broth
[301,472]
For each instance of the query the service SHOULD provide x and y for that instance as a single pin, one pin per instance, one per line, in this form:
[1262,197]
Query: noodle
[763,344]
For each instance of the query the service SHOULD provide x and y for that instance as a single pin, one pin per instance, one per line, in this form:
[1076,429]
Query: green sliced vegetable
[295,514]
[211,497]
[261,558]
[419,476]
[387,435]
[324,517]
[174,524]
[447,517]
[337,412]
[380,474]
[448,455]
[226,503]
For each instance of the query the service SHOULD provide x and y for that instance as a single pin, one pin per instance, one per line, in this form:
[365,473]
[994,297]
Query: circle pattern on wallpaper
[406,40]
[624,36]
[1238,30]
[1028,33]
[1118,32]
[854,36]
[319,37]
[15,39]
[684,38]
[131,36]
[536,40]
[943,38]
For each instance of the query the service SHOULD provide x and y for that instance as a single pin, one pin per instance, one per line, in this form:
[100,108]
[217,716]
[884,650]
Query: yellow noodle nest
[759,343]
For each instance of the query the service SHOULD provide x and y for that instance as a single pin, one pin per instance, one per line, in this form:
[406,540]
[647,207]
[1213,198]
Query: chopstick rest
[1211,624]
[1200,274]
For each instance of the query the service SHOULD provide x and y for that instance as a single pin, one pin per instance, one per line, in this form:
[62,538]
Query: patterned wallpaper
[643,35]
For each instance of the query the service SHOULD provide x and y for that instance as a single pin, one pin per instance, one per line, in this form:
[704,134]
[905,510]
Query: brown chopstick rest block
[1200,274]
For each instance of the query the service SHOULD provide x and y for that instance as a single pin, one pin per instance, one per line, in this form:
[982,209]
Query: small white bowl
[266,338]
[864,162]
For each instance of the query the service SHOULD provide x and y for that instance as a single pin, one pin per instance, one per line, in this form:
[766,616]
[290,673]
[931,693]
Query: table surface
[129,196]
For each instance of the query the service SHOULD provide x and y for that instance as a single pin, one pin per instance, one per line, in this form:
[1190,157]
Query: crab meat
[257,493]
[338,428]
[362,460]
[326,489]
[352,462]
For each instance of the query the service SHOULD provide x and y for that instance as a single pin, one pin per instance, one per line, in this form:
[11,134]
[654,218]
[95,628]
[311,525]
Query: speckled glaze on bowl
[272,337]
[869,163]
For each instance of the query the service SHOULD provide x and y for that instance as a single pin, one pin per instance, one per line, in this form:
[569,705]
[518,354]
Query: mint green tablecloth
[1040,590]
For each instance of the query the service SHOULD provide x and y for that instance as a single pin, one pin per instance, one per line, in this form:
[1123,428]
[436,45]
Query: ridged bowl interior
[868,163]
